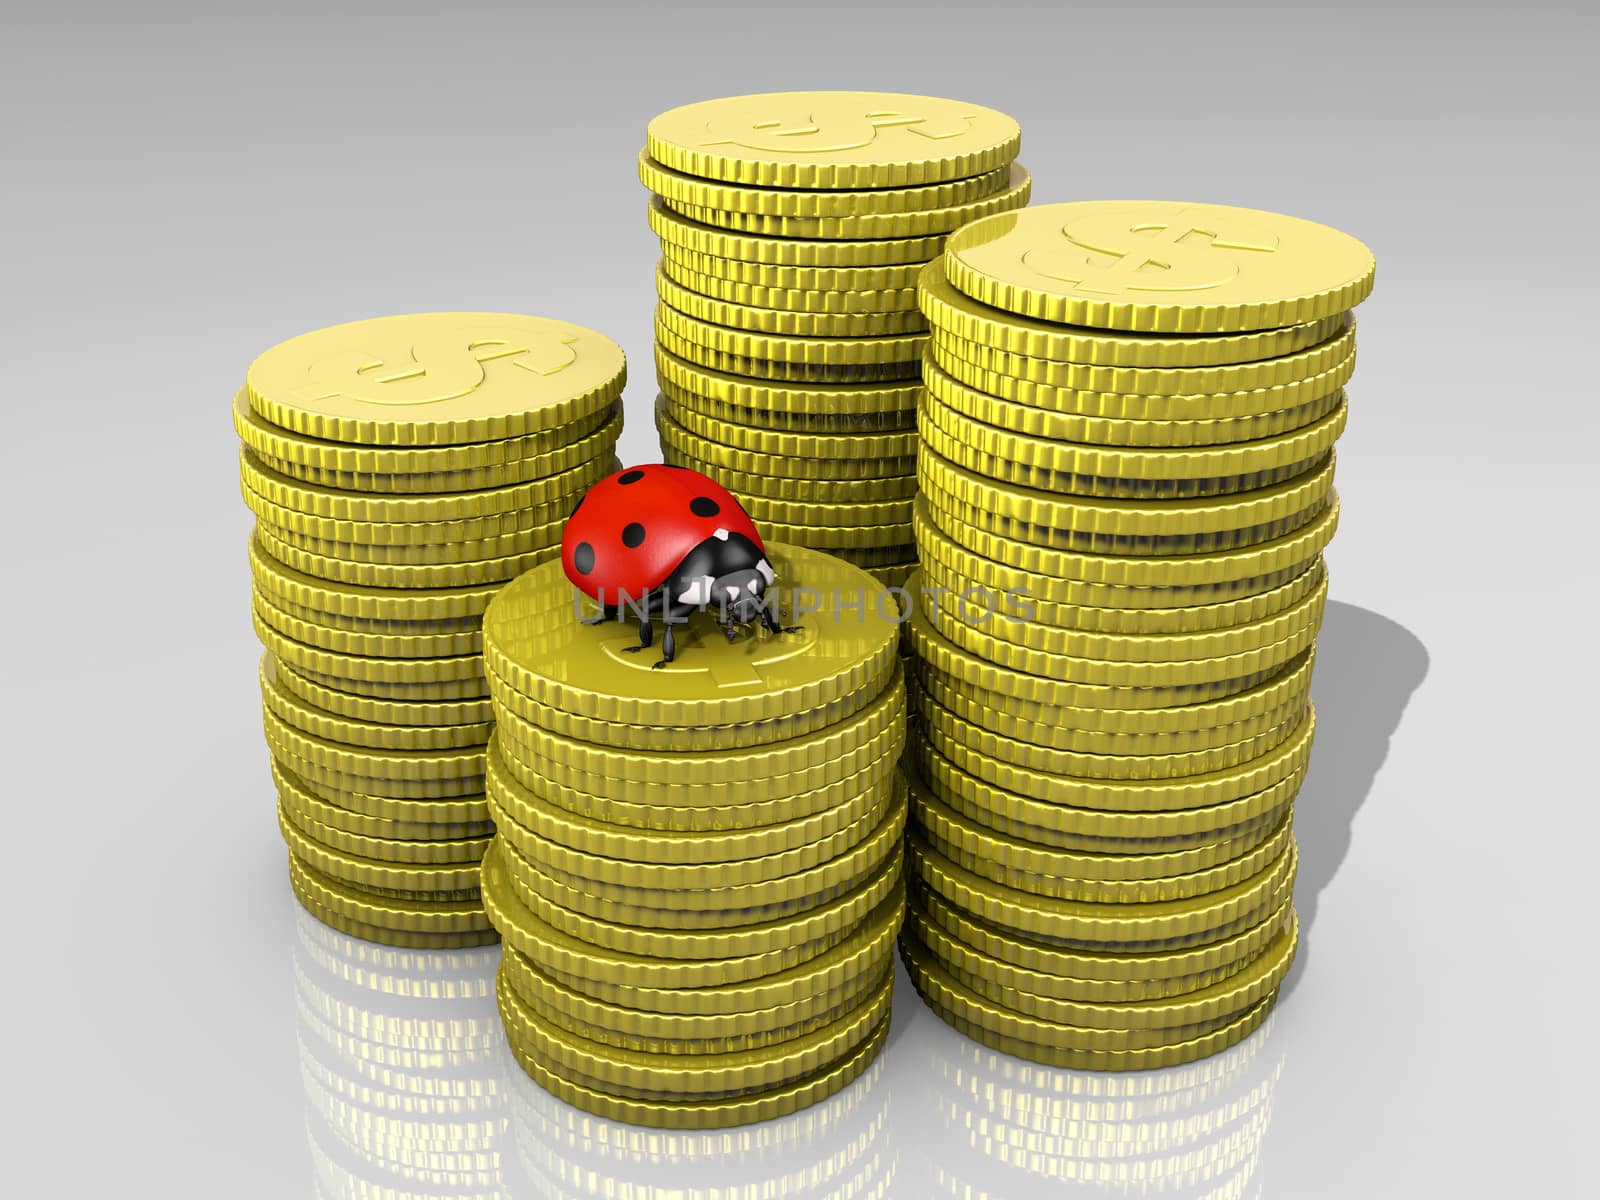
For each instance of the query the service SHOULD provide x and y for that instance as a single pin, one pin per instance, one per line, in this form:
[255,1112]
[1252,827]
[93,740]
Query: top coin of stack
[400,470]
[1127,475]
[793,227]
[697,869]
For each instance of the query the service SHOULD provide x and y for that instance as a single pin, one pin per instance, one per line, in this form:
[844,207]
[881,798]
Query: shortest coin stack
[697,869]
[400,470]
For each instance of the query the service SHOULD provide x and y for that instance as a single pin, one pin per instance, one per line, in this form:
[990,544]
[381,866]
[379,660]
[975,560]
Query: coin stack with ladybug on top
[792,230]
[694,780]
[401,470]
[1127,484]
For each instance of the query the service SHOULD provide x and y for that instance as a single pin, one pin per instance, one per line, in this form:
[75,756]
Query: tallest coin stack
[788,337]
[1126,467]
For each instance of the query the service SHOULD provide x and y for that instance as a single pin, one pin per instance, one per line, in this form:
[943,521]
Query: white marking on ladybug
[721,535]
[766,570]
[697,593]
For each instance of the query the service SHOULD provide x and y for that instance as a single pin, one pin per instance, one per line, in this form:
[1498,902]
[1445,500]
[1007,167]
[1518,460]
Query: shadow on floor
[1367,668]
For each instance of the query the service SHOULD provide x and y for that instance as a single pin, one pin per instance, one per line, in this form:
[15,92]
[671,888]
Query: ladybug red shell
[663,541]
[632,529]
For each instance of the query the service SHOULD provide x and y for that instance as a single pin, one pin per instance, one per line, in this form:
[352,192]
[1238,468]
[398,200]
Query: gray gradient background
[186,185]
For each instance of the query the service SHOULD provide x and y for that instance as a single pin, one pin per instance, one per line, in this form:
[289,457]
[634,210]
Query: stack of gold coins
[399,1054]
[792,229]
[697,869]
[401,470]
[1127,477]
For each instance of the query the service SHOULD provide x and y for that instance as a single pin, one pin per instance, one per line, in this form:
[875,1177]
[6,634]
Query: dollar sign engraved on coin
[434,368]
[1186,252]
[823,127]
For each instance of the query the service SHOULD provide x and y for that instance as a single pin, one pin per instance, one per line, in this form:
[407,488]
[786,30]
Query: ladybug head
[728,576]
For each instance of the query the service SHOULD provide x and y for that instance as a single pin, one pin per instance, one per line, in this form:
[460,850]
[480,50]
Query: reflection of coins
[832,139]
[436,378]
[1155,265]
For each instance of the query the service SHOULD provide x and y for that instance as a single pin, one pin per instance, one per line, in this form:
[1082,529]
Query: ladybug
[664,540]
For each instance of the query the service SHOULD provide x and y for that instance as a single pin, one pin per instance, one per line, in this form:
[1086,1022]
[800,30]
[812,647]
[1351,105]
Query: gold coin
[570,958]
[642,876]
[865,224]
[897,401]
[1126,580]
[303,657]
[1040,1041]
[1160,266]
[1117,924]
[727,900]
[800,490]
[668,1076]
[978,622]
[1223,956]
[290,588]
[1271,705]
[831,352]
[1259,514]
[952,311]
[967,964]
[1055,760]
[586,833]
[979,405]
[832,140]
[391,841]
[795,423]
[373,710]
[534,642]
[1021,606]
[444,629]
[864,545]
[768,371]
[708,1114]
[448,553]
[1030,816]
[897,278]
[617,1025]
[374,873]
[409,939]
[1222,998]
[436,378]
[299,713]
[551,494]
[1228,389]
[400,533]
[680,188]
[375,763]
[1201,790]
[784,322]
[384,912]
[681,234]
[678,440]
[764,939]
[793,301]
[343,783]
[777,442]
[563,458]
[471,810]
[432,576]
[809,515]
[1162,470]
[1094,706]
[335,640]
[698,819]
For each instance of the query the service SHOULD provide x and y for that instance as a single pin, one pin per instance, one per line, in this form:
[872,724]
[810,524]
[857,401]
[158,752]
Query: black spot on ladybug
[632,534]
[704,506]
[583,558]
[630,477]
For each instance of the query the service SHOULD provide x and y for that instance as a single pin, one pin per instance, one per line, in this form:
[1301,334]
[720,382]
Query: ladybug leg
[770,620]
[646,634]
[666,650]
